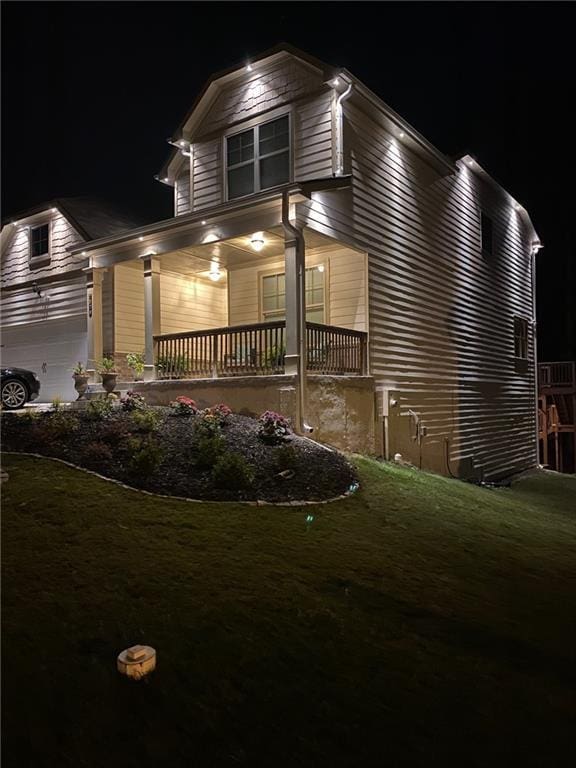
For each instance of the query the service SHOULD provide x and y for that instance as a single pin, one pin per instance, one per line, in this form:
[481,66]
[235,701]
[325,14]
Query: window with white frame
[258,158]
[40,241]
[274,296]
[521,338]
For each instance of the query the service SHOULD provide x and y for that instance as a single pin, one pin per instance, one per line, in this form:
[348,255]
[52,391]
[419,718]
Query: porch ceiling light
[320,267]
[257,241]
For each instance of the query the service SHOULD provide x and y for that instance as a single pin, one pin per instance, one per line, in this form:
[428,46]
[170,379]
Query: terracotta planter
[80,384]
[109,381]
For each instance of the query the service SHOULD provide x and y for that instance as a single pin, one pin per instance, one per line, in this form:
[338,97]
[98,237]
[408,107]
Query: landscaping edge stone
[258,503]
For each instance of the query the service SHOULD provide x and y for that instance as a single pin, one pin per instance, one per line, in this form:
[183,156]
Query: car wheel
[14,394]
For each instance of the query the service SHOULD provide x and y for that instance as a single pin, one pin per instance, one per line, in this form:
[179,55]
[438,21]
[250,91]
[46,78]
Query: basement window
[520,338]
[258,158]
[40,242]
[487,234]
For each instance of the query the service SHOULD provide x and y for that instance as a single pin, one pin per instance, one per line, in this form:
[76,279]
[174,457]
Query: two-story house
[325,260]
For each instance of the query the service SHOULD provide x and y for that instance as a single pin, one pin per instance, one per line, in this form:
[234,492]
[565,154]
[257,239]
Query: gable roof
[390,119]
[92,217]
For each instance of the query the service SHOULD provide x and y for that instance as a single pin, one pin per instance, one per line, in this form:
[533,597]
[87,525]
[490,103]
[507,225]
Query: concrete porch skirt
[340,408]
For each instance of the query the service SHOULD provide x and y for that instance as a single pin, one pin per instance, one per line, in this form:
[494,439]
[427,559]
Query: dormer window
[258,158]
[40,241]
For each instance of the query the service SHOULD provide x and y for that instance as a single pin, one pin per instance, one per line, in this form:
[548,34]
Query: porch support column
[94,319]
[151,313]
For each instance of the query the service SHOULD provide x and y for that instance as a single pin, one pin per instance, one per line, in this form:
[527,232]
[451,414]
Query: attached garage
[51,349]
[47,334]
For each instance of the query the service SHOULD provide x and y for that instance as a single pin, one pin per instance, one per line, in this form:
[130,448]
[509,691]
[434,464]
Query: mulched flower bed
[174,455]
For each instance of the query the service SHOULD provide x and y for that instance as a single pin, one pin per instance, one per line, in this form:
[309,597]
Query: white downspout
[338,157]
[301,384]
[535,248]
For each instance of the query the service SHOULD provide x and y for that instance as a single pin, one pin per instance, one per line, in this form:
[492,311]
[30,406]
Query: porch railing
[249,350]
[559,374]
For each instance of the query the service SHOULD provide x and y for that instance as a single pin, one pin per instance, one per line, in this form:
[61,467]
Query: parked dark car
[19,386]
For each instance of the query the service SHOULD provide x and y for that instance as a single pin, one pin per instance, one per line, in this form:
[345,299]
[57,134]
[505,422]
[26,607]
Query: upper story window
[521,338]
[258,158]
[274,296]
[40,241]
[487,234]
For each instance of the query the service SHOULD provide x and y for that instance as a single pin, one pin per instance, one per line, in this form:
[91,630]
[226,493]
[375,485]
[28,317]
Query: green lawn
[422,622]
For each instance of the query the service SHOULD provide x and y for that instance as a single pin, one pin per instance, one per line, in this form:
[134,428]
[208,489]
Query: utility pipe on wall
[535,248]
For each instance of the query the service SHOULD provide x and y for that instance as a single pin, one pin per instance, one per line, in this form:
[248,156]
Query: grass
[421,622]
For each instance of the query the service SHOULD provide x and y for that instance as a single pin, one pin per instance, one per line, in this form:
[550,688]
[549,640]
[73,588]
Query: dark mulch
[311,471]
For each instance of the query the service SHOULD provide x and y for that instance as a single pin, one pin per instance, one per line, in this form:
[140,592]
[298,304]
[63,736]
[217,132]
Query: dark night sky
[92,90]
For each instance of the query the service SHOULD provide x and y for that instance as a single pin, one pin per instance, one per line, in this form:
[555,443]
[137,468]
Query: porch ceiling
[237,252]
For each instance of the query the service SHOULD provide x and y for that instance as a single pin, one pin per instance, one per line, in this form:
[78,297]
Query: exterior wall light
[320,267]
[215,273]
[203,222]
[401,135]
[257,242]
[141,239]
[248,68]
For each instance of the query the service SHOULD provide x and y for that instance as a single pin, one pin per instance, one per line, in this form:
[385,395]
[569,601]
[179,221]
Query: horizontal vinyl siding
[182,192]
[208,179]
[346,271]
[191,304]
[313,138]
[129,307]
[59,300]
[441,313]
[16,266]
[108,310]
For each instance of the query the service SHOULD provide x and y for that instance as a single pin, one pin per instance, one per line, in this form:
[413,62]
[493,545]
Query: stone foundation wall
[340,408]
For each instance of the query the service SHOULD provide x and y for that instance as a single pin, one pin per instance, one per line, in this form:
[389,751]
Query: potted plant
[80,376]
[135,361]
[107,370]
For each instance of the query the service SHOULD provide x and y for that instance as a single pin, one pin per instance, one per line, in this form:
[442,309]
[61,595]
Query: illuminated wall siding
[182,191]
[59,300]
[16,253]
[346,271]
[192,303]
[441,313]
[282,81]
[208,186]
[313,138]
[287,82]
[129,307]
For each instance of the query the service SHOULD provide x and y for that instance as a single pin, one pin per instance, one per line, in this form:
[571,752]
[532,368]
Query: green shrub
[96,454]
[172,366]
[135,361]
[232,472]
[100,408]
[207,450]
[273,427]
[144,421]
[285,457]
[114,431]
[145,457]
[183,406]
[56,404]
[208,425]
[133,402]
[55,426]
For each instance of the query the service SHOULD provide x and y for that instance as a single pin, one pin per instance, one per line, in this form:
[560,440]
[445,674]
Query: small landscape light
[141,238]
[136,661]
[203,222]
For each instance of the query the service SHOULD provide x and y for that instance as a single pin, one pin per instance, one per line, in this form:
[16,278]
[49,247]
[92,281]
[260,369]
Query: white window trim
[281,271]
[517,336]
[44,257]
[254,124]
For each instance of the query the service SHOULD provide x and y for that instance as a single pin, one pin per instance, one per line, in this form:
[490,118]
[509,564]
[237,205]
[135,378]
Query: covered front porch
[235,307]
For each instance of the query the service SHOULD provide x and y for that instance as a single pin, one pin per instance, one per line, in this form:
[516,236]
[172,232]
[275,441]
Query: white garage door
[51,349]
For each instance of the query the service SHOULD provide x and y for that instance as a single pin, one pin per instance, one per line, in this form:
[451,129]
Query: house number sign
[90,305]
